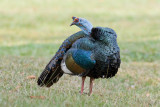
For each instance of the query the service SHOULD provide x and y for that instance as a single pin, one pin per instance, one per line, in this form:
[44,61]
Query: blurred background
[31,31]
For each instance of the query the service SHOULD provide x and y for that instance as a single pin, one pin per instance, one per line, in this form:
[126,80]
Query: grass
[31,31]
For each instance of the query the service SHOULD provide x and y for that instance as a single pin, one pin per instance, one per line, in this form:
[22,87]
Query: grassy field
[31,31]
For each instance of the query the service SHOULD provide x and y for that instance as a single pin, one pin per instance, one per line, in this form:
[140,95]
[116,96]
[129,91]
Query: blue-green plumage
[101,50]
[92,52]
[83,58]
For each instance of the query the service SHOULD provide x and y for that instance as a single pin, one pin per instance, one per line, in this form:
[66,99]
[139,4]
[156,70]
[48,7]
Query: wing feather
[52,71]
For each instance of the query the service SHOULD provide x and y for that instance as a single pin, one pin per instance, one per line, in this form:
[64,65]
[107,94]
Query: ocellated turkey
[92,52]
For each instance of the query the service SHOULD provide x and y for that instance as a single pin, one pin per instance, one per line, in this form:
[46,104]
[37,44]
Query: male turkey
[92,52]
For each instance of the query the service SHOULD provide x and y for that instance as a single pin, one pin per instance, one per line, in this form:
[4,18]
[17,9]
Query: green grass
[31,31]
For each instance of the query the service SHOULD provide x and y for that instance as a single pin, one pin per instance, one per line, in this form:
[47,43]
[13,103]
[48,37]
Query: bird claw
[84,93]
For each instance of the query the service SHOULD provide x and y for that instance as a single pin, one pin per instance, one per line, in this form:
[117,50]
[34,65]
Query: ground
[31,31]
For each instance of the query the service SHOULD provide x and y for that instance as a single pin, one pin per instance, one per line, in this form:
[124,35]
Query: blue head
[83,24]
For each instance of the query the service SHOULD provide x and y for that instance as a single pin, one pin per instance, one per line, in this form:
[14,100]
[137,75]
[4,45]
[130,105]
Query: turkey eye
[76,20]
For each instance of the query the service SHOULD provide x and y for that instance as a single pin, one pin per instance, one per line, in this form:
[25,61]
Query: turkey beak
[72,24]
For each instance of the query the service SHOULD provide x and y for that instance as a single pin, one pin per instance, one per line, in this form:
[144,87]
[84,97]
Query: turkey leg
[91,85]
[82,86]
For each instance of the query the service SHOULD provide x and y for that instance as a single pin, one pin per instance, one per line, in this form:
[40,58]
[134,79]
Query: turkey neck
[87,31]
[86,28]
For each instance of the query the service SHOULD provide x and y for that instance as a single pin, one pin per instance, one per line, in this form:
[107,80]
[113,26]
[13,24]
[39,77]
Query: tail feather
[52,71]
[48,77]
